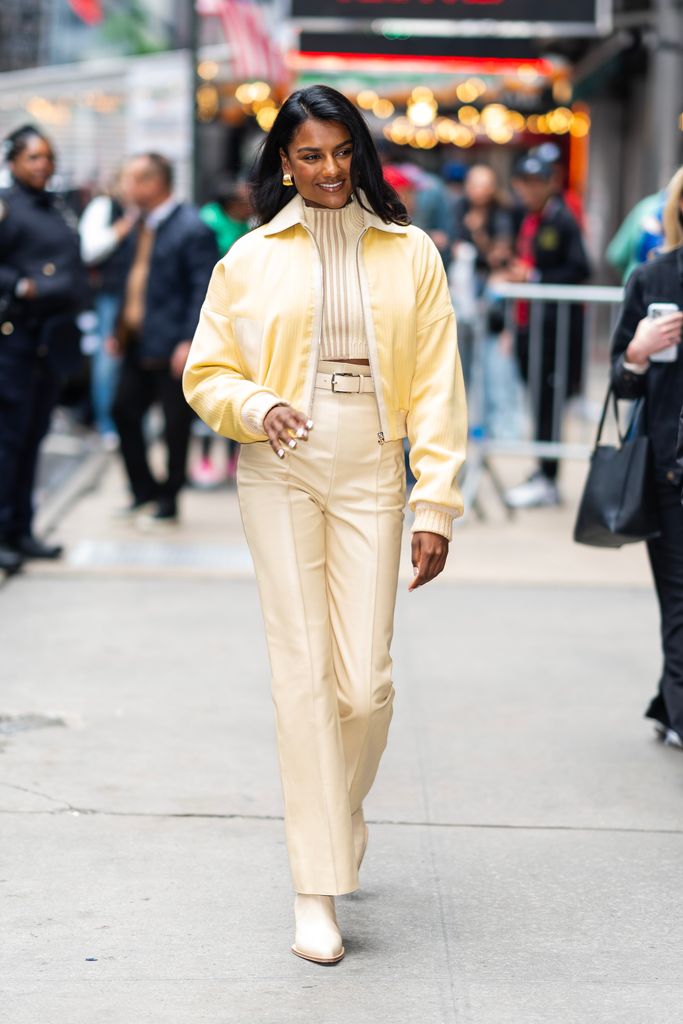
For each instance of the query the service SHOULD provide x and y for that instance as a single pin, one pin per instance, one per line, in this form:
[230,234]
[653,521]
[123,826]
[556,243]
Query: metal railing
[567,337]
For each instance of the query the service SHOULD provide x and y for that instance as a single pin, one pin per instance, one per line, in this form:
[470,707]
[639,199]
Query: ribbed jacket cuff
[433,520]
[256,408]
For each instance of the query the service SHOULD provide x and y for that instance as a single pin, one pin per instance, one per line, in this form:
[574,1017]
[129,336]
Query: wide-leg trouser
[324,527]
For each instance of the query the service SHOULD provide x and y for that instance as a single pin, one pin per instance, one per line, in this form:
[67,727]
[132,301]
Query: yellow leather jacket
[258,339]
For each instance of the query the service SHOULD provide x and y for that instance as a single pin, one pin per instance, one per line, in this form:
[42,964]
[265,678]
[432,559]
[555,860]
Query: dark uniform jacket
[660,280]
[37,242]
[183,257]
[559,257]
[559,253]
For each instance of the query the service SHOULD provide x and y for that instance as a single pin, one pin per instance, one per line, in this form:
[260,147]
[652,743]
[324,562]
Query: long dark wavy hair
[322,103]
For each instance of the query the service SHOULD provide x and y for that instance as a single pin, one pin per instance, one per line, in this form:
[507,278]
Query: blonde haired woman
[328,335]
[648,363]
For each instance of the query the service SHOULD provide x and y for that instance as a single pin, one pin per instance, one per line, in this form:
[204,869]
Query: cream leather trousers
[324,527]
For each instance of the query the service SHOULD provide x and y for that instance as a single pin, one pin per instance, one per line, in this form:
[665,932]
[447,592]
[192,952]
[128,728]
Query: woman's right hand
[284,425]
[653,336]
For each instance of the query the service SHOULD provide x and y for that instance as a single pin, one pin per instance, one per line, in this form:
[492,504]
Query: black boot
[10,559]
[31,547]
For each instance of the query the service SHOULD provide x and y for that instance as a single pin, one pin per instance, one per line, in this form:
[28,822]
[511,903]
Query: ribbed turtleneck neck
[348,218]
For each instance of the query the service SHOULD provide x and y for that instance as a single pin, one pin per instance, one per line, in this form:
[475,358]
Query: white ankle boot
[360,835]
[317,935]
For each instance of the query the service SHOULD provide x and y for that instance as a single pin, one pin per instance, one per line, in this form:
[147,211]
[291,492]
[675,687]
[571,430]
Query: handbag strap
[633,420]
[603,416]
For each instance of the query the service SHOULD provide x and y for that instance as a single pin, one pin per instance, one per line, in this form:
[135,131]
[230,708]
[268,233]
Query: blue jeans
[105,367]
[503,411]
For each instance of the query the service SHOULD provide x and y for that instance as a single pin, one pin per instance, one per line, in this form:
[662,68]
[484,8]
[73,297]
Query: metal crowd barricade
[601,306]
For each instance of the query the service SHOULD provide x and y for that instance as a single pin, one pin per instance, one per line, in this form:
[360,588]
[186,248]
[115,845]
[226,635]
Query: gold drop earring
[287,179]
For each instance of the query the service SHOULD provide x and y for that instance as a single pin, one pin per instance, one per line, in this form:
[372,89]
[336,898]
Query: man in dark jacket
[170,257]
[550,250]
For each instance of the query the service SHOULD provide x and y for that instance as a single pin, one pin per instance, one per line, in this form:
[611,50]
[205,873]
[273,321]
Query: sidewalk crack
[65,805]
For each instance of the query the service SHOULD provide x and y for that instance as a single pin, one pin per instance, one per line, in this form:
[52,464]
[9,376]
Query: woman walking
[640,345]
[326,337]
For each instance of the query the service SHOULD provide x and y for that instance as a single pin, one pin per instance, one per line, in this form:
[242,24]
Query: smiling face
[319,160]
[35,164]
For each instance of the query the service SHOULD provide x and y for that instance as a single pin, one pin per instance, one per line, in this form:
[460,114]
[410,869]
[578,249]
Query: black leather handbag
[619,502]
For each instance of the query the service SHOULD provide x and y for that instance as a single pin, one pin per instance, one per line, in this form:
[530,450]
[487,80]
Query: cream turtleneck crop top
[337,233]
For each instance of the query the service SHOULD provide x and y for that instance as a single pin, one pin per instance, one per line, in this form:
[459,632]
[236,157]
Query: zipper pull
[380,437]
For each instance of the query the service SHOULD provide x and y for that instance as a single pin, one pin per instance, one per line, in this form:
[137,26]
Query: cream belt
[347,383]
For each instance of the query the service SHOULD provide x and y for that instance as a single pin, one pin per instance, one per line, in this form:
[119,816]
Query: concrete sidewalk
[526,833]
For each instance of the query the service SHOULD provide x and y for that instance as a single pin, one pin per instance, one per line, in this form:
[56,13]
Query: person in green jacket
[228,217]
[639,234]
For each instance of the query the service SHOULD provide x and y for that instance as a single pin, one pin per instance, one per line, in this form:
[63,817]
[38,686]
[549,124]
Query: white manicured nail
[281,452]
[300,432]
[309,424]
[292,443]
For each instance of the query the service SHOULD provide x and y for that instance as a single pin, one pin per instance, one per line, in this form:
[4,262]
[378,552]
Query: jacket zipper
[370,335]
[369,330]
[318,327]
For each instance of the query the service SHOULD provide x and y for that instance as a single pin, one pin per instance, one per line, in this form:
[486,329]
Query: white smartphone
[654,311]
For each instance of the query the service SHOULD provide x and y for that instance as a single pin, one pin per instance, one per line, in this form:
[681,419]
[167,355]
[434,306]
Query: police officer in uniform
[42,288]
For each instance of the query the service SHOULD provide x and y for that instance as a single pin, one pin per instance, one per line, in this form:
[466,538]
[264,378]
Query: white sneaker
[672,739]
[536,492]
[660,729]
[110,442]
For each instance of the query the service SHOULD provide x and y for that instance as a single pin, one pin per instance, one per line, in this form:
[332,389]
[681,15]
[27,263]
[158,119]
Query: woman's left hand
[429,553]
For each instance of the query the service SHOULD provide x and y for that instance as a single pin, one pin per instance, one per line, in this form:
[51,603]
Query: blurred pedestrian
[402,185]
[551,154]
[104,226]
[482,218]
[169,259]
[42,289]
[483,243]
[640,236]
[326,336]
[550,250]
[648,364]
[228,214]
[228,217]
[432,207]
[453,174]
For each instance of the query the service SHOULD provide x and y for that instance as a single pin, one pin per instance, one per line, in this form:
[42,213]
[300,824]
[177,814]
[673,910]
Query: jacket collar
[293,213]
[161,213]
[39,196]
